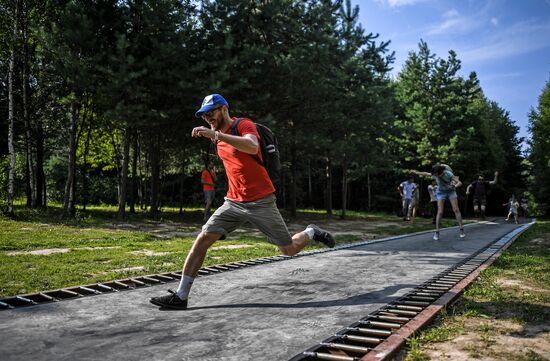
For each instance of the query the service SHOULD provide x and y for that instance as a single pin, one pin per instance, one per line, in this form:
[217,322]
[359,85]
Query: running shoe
[322,236]
[436,236]
[169,301]
[462,234]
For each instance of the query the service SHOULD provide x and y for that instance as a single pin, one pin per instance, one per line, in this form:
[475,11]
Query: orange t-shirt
[206,177]
[248,179]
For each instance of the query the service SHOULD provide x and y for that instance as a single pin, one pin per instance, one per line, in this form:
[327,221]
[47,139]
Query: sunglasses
[210,113]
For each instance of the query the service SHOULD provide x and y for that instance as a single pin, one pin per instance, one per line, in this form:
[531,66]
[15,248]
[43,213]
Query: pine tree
[539,119]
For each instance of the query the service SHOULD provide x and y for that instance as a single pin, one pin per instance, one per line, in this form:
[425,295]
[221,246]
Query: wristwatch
[216,135]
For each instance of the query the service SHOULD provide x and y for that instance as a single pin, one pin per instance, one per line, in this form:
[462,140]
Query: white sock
[310,232]
[185,286]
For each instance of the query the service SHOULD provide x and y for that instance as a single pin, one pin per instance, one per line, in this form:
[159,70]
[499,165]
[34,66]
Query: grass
[90,249]
[514,293]
[95,247]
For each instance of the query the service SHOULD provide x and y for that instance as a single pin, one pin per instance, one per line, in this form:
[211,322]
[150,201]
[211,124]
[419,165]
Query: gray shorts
[209,195]
[262,213]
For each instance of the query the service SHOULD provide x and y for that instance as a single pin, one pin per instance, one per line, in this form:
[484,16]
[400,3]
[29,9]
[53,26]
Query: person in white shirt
[432,188]
[406,190]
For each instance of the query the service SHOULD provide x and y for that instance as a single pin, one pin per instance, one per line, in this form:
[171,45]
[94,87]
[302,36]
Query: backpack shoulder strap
[235,131]
[234,125]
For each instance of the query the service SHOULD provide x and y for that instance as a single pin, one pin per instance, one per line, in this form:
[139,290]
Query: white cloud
[520,38]
[453,13]
[494,21]
[398,3]
[455,24]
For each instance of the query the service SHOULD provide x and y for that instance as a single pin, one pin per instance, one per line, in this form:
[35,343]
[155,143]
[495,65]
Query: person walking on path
[447,183]
[208,180]
[523,206]
[415,202]
[406,190]
[432,188]
[513,205]
[480,188]
[249,198]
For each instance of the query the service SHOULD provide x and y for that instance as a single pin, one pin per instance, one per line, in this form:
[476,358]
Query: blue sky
[506,42]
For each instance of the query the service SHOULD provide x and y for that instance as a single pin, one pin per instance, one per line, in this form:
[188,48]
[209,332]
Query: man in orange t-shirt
[208,180]
[250,197]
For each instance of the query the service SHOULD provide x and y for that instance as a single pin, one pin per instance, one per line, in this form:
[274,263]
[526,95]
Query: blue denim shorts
[445,194]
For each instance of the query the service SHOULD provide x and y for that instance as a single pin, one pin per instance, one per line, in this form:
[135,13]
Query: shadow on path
[381,296]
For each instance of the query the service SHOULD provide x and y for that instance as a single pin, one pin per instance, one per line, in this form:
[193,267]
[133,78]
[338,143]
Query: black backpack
[270,151]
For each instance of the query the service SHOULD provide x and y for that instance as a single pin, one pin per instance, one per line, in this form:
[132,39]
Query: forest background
[97,102]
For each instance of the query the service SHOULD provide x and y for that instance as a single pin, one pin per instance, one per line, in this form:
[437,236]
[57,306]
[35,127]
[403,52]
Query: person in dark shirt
[480,188]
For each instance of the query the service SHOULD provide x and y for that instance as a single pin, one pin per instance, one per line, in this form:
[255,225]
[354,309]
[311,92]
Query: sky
[506,42]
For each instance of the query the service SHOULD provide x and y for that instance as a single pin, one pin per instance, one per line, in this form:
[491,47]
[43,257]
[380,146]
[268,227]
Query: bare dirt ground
[492,340]
[501,335]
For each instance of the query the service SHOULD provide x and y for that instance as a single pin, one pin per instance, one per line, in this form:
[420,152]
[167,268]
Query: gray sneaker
[322,236]
[171,300]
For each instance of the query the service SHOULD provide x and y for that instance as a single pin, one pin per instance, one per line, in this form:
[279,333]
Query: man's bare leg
[458,216]
[196,255]
[194,261]
[456,210]
[207,208]
[299,241]
[440,208]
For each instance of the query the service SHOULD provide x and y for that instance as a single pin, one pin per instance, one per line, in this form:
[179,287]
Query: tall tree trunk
[85,169]
[328,191]
[124,176]
[155,175]
[294,174]
[69,198]
[31,194]
[344,187]
[369,204]
[309,183]
[133,184]
[143,177]
[182,183]
[40,177]
[11,120]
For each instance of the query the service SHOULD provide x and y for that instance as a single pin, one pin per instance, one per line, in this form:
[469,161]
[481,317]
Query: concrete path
[265,312]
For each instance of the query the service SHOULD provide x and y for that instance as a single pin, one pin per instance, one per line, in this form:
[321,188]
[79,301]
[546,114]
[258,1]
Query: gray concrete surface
[266,312]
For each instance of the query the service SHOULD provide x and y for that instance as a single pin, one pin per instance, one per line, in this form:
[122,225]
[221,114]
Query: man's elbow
[253,146]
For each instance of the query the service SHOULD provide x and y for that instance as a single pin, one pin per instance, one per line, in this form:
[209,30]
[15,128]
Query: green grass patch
[515,289]
[42,249]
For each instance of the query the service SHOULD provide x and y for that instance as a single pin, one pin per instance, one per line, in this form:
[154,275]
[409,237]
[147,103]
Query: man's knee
[205,240]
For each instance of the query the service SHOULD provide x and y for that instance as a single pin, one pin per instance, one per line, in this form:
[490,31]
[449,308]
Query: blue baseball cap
[210,102]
